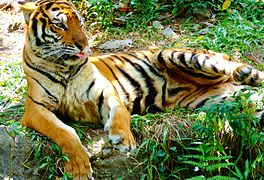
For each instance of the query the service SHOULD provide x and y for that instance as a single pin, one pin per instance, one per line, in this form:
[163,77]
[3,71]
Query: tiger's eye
[60,25]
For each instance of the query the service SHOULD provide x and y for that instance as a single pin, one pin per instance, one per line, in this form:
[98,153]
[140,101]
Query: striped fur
[64,83]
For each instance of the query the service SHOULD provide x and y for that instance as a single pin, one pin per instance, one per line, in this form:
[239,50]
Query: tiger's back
[150,81]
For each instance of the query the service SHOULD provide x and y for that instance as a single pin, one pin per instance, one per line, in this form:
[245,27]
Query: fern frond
[215,158]
[213,167]
[200,165]
[221,178]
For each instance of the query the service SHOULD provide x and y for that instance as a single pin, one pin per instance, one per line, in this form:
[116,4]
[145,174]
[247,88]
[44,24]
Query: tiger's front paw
[79,165]
[122,140]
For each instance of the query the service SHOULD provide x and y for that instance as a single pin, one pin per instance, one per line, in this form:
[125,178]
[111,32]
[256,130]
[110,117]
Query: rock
[15,156]
[14,26]
[201,13]
[109,163]
[5,4]
[157,25]
[116,44]
[120,166]
[168,32]
[1,41]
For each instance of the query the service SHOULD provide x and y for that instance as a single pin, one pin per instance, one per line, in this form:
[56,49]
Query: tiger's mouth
[80,55]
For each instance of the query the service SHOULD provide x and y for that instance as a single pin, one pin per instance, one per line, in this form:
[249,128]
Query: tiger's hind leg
[208,96]
[205,67]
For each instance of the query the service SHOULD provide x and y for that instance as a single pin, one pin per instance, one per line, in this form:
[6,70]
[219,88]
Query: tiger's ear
[27,8]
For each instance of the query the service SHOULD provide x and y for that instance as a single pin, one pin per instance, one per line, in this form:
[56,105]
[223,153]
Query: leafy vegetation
[225,140]
[220,141]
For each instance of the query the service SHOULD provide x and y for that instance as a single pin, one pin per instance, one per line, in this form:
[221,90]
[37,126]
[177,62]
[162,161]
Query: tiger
[65,82]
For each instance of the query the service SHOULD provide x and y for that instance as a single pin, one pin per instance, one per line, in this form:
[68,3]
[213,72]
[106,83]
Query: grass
[177,143]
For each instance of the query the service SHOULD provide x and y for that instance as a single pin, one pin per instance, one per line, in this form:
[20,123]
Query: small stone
[106,152]
[116,44]
[1,41]
[157,25]
[201,13]
[170,33]
[13,27]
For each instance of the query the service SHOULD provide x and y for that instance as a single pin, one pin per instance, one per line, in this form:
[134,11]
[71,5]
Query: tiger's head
[54,31]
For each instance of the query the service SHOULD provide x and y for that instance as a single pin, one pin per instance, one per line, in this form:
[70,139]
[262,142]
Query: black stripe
[44,34]
[35,27]
[53,79]
[43,2]
[155,72]
[36,102]
[152,92]
[190,70]
[174,91]
[120,84]
[181,57]
[46,90]
[152,70]
[100,104]
[46,16]
[214,68]
[54,30]
[139,93]
[161,59]
[76,70]
[44,24]
[55,9]
[202,103]
[184,97]
[90,87]
[48,5]
[195,95]
[117,57]
[195,62]
[261,122]
[59,14]
[35,31]
[65,3]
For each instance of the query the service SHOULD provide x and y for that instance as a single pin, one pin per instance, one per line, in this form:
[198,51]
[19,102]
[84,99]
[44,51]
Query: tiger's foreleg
[44,121]
[117,123]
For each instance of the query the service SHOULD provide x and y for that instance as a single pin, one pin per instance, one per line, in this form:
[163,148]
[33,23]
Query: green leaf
[221,178]
[161,153]
[44,165]
[226,4]
[213,167]
[239,173]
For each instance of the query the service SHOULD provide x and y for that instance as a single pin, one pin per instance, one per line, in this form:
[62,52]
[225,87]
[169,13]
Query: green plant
[229,128]
[238,30]
[145,13]
[49,156]
[163,141]
[205,160]
[225,141]
[97,13]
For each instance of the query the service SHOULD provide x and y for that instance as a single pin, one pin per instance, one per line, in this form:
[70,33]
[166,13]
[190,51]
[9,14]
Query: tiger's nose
[80,46]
